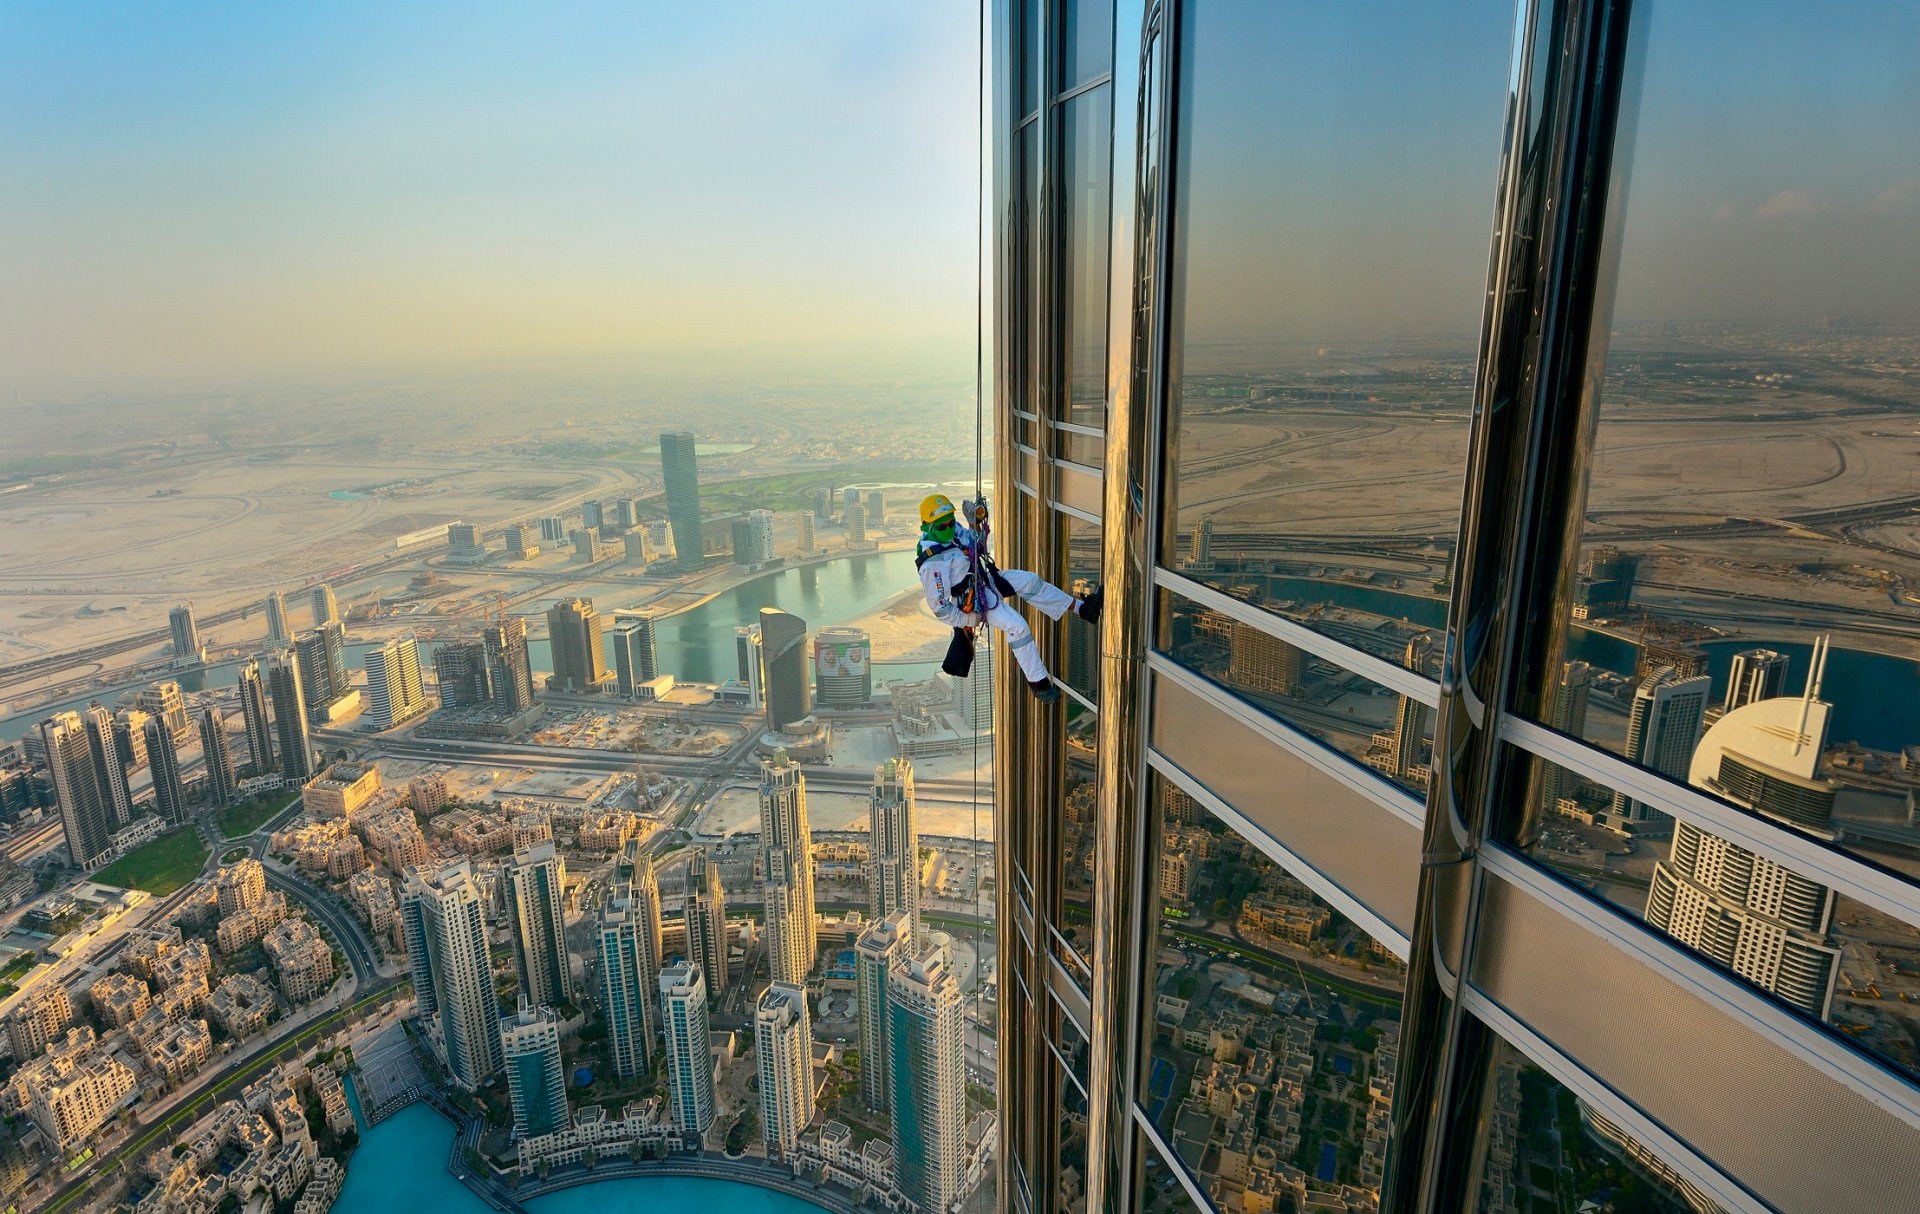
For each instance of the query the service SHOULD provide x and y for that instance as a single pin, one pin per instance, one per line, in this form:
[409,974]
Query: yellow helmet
[934,508]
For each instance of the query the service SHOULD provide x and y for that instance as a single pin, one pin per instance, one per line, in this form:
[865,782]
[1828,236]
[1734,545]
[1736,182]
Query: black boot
[1087,607]
[1044,691]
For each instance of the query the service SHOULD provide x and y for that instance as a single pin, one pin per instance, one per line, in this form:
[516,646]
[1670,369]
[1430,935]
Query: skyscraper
[760,535]
[893,866]
[1662,731]
[1566,712]
[290,714]
[325,608]
[460,669]
[394,690]
[579,650]
[520,545]
[593,514]
[445,931]
[323,671]
[803,521]
[842,668]
[926,1070]
[628,934]
[783,641]
[1756,674]
[218,755]
[783,1046]
[683,1018]
[1410,751]
[130,737]
[856,523]
[884,944]
[163,758]
[749,654]
[705,914]
[536,906]
[509,669]
[681,472]
[536,1082]
[109,770]
[742,538]
[163,700]
[277,631]
[786,858]
[187,649]
[86,814]
[253,714]
[636,659]
[876,507]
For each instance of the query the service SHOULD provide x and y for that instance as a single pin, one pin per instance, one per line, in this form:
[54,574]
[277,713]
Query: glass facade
[1492,784]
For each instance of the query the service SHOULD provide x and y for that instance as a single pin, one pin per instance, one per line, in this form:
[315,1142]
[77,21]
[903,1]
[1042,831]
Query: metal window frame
[1171,1161]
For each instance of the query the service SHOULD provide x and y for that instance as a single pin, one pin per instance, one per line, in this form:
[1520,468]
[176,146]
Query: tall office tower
[783,663]
[536,1082]
[823,503]
[86,812]
[927,1075]
[783,1046]
[445,931]
[886,943]
[187,649]
[579,650]
[1682,658]
[1604,584]
[849,500]
[678,465]
[639,548]
[316,682]
[163,758]
[624,513]
[1566,712]
[108,770]
[253,714]
[218,754]
[536,906]
[278,633]
[586,544]
[704,911]
[1756,674]
[163,700]
[1260,661]
[130,737]
[803,524]
[1411,750]
[1200,547]
[464,545]
[786,857]
[760,535]
[553,528]
[636,658]
[742,542]
[893,864]
[460,668]
[856,523]
[520,545]
[290,714]
[593,515]
[509,668]
[973,695]
[394,690]
[628,934]
[749,653]
[842,668]
[326,609]
[1662,730]
[683,1020]
[876,507]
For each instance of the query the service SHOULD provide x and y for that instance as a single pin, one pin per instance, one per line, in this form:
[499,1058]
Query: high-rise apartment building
[593,514]
[520,545]
[218,755]
[783,662]
[460,671]
[680,469]
[536,907]
[750,654]
[394,690]
[842,668]
[553,529]
[86,812]
[130,737]
[110,770]
[326,609]
[1756,674]
[509,668]
[628,934]
[163,700]
[1260,661]
[322,655]
[464,546]
[876,507]
[579,649]
[856,523]
[1665,725]
[893,865]
[163,761]
[1566,711]
[742,540]
[187,649]
[636,656]
[254,716]
[786,862]
[445,931]
[927,1074]
[783,1048]
[704,911]
[683,1020]
[289,714]
[886,943]
[760,536]
[278,631]
[536,1081]
[803,526]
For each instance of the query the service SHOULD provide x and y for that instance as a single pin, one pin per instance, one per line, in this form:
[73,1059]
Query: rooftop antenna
[1816,674]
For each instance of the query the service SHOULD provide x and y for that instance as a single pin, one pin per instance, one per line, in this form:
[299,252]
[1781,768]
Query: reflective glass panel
[1023,244]
[1274,1023]
[1335,173]
[1086,40]
[1078,844]
[1073,1146]
[1080,641]
[1158,1191]
[1750,557]
[1546,1151]
[1088,449]
[1825,955]
[1352,715]
[1086,155]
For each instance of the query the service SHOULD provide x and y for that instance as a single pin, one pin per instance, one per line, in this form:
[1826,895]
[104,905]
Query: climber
[964,589]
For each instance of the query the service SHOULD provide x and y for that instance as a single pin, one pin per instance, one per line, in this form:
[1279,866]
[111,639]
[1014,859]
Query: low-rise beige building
[341,791]
[302,961]
[120,999]
[241,1005]
[42,1015]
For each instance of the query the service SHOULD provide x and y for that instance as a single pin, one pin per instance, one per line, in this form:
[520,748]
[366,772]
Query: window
[1080,641]
[1086,159]
[1079,846]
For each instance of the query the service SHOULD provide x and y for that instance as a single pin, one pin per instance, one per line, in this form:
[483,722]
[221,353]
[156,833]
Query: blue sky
[207,190]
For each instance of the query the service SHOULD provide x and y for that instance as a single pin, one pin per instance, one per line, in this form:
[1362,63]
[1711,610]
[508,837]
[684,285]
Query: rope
[979,479]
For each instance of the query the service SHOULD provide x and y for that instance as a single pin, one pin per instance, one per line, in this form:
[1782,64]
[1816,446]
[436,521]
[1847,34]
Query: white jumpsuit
[941,572]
